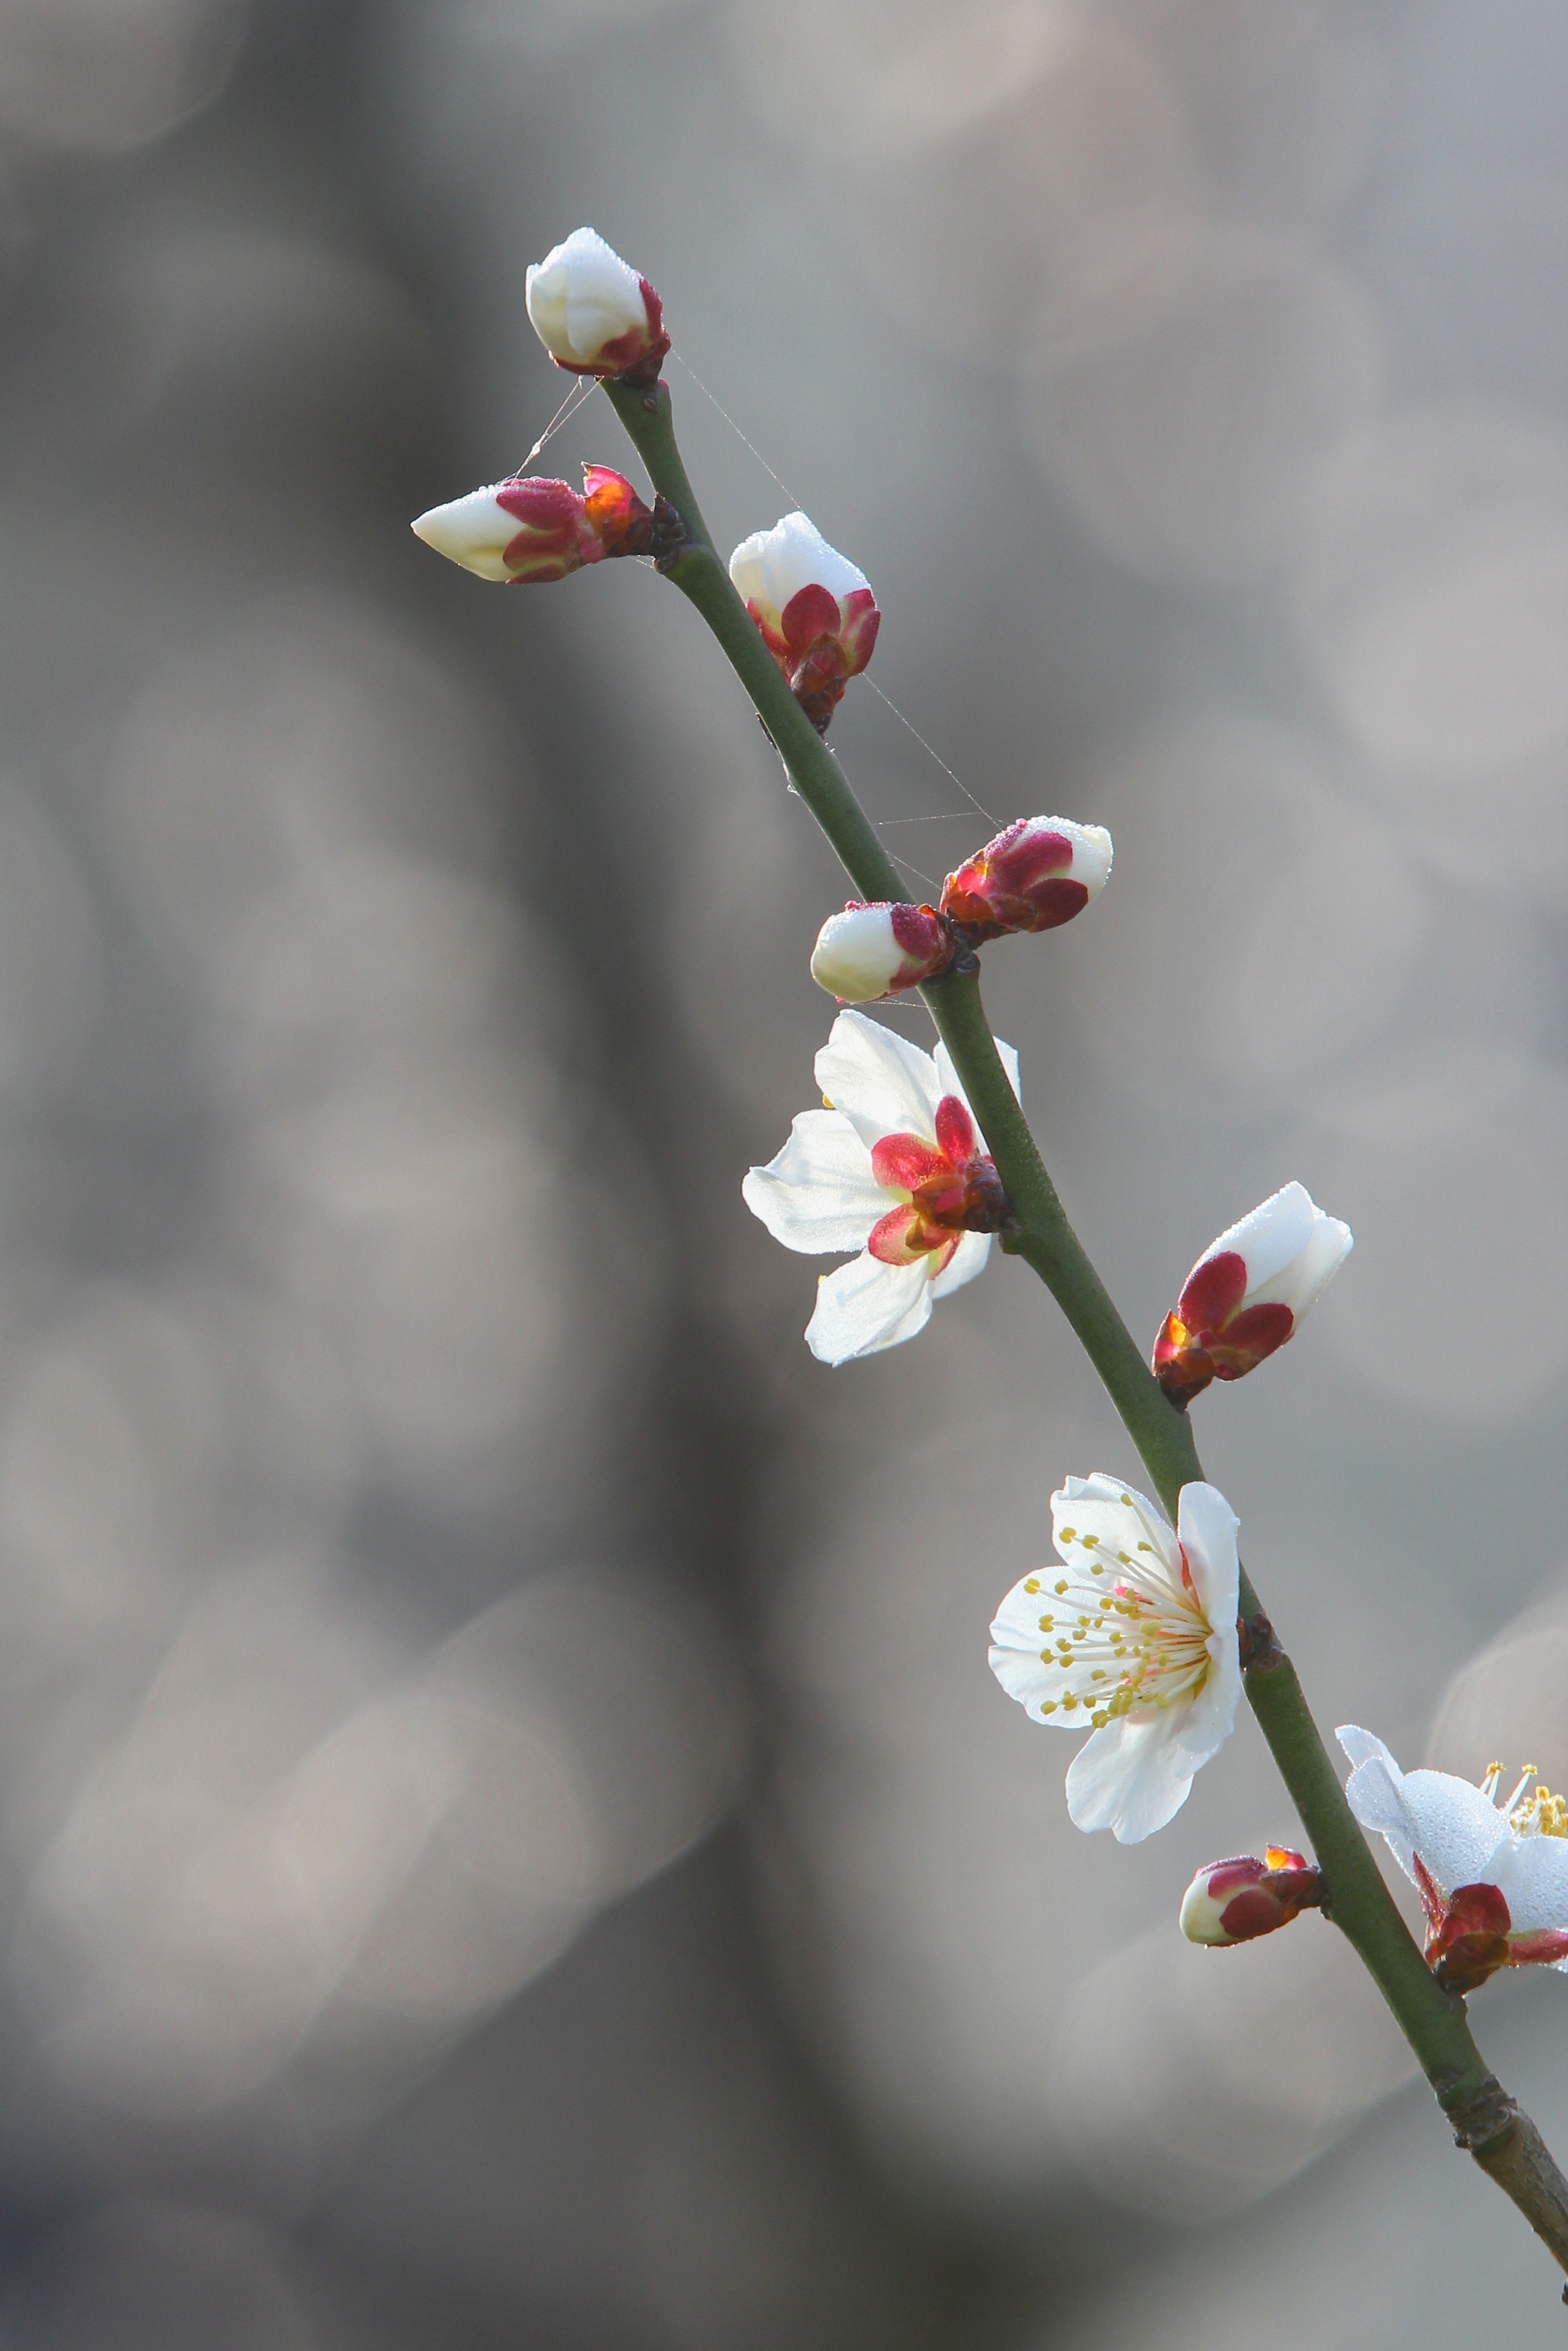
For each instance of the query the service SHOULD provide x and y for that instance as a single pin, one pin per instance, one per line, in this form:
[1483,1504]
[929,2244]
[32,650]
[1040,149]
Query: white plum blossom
[892,1167]
[1493,1877]
[1135,1639]
[593,312]
[1248,1292]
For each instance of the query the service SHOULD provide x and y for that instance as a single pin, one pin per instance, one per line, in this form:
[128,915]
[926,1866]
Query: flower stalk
[1486,2123]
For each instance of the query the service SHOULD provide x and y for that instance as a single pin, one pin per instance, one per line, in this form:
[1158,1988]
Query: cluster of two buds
[596,317]
[1034,876]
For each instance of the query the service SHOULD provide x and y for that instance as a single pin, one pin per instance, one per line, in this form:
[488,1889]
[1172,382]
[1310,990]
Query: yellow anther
[1097,1571]
[1031,1583]
[1097,1676]
[1060,1588]
[1048,1706]
[1069,1702]
[1128,1500]
[1099,1719]
[1068,1534]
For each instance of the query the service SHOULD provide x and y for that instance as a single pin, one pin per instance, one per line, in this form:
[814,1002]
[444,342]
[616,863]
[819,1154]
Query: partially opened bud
[593,313]
[872,951]
[1248,1292]
[816,611]
[1236,1901]
[528,529]
[1038,874]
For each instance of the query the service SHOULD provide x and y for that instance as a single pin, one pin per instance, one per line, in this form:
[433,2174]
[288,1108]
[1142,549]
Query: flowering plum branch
[1152,1627]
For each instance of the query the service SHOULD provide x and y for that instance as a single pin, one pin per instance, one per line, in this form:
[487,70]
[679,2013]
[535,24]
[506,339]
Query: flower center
[1130,1631]
[1531,1809]
[946,1187]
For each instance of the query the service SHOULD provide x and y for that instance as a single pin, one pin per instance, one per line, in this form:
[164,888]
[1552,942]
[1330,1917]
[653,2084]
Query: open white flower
[1493,1878]
[1136,1640]
[893,1166]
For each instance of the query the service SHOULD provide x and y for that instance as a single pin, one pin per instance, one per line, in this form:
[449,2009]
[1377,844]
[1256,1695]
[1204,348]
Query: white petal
[794,555]
[746,571]
[544,299]
[1120,1517]
[819,1195]
[857,956]
[947,1076]
[1092,850]
[1533,1877]
[1267,1239]
[473,531]
[1302,1282]
[603,295]
[1204,1726]
[1456,1830]
[1206,1528]
[881,1081]
[967,1260]
[1129,1778]
[1362,1746]
[1373,1793]
[866,1306]
[1019,1643]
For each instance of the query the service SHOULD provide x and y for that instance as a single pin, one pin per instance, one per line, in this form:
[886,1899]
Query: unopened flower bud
[1236,1901]
[529,530]
[1038,874]
[1248,1293]
[593,312]
[814,607]
[872,951]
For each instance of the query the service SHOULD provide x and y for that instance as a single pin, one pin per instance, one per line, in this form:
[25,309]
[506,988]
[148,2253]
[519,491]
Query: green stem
[703,578]
[1503,2141]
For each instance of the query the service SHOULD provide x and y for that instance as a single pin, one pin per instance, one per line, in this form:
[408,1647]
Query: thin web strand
[563,415]
[948,815]
[926,747]
[780,482]
[905,863]
[734,428]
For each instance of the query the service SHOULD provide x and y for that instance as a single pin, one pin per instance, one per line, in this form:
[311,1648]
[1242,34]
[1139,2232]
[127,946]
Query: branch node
[1260,1652]
[1483,2117]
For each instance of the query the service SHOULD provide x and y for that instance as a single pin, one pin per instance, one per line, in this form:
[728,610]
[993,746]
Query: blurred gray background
[506,1835]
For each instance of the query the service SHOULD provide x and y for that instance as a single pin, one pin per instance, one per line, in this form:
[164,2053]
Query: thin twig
[1503,2141]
